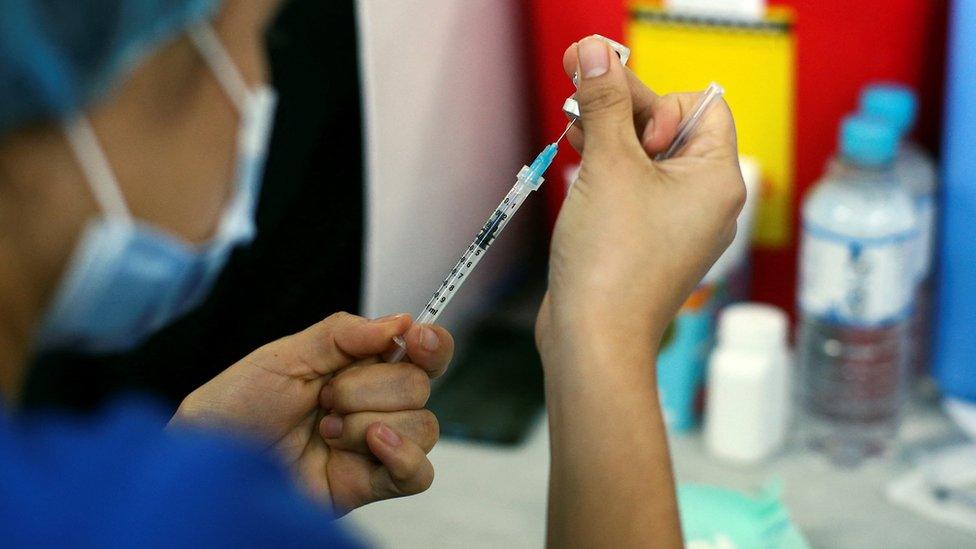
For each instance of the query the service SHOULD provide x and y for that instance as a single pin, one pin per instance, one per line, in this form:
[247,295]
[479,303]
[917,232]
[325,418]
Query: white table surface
[490,496]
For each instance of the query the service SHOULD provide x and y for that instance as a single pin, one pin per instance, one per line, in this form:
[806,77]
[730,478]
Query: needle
[568,126]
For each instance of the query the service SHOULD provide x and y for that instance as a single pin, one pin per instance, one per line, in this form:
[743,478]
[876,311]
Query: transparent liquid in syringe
[473,254]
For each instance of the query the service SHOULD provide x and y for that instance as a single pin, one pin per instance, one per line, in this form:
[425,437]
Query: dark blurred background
[306,261]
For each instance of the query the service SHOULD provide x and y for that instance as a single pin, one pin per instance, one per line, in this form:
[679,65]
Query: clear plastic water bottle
[898,106]
[855,295]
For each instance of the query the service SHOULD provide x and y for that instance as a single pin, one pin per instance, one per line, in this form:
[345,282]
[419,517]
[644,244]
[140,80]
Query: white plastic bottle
[916,170]
[855,294]
[747,408]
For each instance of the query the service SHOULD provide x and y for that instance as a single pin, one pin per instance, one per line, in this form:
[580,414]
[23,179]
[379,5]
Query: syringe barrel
[469,259]
[473,254]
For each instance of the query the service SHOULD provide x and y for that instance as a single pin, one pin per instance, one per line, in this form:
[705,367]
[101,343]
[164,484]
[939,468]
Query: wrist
[585,358]
[580,334]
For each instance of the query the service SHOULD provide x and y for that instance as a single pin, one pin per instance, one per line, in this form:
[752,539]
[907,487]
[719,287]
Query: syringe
[690,123]
[528,179]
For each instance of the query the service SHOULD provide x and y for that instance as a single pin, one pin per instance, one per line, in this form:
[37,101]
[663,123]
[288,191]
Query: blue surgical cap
[58,55]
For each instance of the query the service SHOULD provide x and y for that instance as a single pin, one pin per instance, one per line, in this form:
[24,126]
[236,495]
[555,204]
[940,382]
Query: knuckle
[419,385]
[429,422]
[425,481]
[738,197]
[429,427]
[733,196]
[729,235]
[341,390]
[341,318]
[338,316]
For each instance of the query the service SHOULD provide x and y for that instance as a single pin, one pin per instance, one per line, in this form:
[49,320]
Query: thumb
[336,342]
[604,97]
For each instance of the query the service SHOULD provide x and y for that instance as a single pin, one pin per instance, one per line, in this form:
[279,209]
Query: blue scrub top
[117,479]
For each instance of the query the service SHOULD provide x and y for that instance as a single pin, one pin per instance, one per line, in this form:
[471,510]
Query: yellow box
[754,62]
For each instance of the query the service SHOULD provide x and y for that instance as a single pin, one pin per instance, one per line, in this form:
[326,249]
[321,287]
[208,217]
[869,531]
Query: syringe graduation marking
[488,232]
[475,251]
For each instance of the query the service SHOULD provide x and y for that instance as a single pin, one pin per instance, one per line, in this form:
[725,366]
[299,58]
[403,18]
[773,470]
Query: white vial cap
[570,106]
[753,326]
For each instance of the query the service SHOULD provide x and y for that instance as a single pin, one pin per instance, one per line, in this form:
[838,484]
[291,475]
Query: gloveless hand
[635,236]
[353,429]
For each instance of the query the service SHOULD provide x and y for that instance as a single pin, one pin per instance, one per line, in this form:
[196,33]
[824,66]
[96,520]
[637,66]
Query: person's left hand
[353,429]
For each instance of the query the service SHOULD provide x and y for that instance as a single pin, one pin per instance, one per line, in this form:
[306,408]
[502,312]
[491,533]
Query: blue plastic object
[894,103]
[955,343]
[681,367]
[715,517]
[867,141]
[541,164]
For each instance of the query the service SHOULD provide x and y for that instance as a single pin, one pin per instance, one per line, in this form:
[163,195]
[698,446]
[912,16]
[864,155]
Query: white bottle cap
[753,326]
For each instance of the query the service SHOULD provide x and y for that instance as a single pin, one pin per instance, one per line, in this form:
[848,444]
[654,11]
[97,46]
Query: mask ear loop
[229,77]
[207,42]
[98,173]
[87,149]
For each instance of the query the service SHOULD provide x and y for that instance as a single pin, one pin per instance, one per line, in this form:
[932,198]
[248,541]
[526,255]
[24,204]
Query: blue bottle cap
[894,103]
[867,141]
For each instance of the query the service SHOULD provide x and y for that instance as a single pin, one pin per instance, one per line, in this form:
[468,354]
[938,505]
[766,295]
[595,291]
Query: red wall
[555,24]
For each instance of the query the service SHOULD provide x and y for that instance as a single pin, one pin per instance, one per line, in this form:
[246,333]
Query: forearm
[632,240]
[611,483]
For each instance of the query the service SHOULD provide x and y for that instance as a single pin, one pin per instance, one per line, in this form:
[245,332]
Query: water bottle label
[857,281]
[925,209]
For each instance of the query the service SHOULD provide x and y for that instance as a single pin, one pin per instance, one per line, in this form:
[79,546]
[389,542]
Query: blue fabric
[117,479]
[57,55]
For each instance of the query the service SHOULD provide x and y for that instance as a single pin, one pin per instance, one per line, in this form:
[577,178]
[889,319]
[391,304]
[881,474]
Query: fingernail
[326,397]
[388,436]
[428,339]
[387,318]
[594,57]
[331,426]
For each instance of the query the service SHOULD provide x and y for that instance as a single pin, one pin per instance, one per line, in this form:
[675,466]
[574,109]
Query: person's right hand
[353,428]
[635,236]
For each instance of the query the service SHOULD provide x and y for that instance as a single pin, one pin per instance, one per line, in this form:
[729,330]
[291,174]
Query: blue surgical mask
[126,279]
